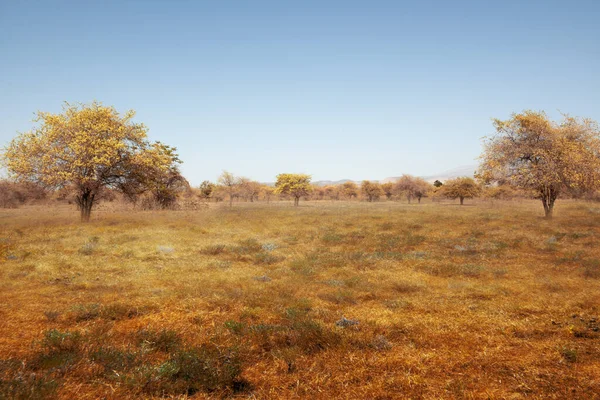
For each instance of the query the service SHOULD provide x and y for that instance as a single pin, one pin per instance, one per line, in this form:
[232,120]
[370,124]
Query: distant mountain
[327,183]
[465,170]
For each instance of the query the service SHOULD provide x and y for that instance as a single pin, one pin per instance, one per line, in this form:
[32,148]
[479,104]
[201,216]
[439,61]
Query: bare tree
[230,183]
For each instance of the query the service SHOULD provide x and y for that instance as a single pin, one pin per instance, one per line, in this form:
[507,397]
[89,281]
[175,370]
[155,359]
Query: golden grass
[480,301]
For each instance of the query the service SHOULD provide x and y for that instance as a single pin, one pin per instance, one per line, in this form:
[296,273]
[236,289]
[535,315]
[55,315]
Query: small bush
[57,341]
[591,269]
[386,226]
[568,354]
[304,266]
[163,340]
[119,311]
[114,359]
[214,249]
[397,304]
[206,368]
[339,297]
[86,312]
[51,316]
[59,350]
[28,386]
[413,240]
[405,287]
[380,343]
[267,258]
[87,249]
[235,327]
[247,246]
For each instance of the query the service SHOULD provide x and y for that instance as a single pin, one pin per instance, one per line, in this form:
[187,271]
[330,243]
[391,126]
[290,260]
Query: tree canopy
[529,151]
[460,188]
[295,185]
[412,187]
[89,147]
[371,190]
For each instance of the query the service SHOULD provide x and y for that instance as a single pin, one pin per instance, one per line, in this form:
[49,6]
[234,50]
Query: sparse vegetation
[250,301]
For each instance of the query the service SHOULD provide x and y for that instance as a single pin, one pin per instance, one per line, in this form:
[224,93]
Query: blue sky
[336,89]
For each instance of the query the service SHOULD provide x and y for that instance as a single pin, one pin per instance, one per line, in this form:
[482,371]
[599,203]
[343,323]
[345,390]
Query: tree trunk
[85,201]
[296,201]
[462,199]
[419,199]
[549,196]
[230,200]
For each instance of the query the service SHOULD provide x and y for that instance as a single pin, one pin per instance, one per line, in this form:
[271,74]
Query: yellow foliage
[531,152]
[295,185]
[87,147]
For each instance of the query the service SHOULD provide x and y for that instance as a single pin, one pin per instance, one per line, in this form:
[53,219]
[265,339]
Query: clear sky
[336,89]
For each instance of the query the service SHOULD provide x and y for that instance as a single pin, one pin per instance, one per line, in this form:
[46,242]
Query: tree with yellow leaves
[89,147]
[460,188]
[531,152]
[371,190]
[388,189]
[295,185]
[349,190]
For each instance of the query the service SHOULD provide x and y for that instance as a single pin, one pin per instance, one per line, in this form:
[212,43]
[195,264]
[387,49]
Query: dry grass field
[326,300]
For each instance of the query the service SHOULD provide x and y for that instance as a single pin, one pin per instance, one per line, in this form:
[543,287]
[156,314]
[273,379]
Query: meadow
[346,300]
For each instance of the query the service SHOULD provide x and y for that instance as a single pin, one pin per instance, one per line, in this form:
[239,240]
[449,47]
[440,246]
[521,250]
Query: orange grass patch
[486,301]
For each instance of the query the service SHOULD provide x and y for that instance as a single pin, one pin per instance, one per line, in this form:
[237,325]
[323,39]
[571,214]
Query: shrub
[267,258]
[163,340]
[118,311]
[311,336]
[405,287]
[86,312]
[59,350]
[51,315]
[568,354]
[28,386]
[57,341]
[114,359]
[87,249]
[235,327]
[13,194]
[206,368]
[591,269]
[339,297]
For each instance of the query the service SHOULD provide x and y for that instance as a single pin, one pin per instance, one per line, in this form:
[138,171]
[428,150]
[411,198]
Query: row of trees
[298,186]
[232,187]
[92,149]
[14,194]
